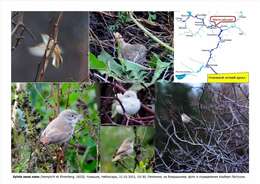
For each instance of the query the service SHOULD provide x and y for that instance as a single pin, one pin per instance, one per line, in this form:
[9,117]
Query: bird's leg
[127,119]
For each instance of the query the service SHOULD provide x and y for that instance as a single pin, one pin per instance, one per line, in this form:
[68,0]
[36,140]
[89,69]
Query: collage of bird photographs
[95,92]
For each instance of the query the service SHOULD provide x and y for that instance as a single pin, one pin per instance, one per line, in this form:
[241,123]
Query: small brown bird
[132,52]
[125,149]
[39,50]
[61,129]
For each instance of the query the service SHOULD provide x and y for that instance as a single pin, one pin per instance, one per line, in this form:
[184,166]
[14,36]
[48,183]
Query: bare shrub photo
[202,128]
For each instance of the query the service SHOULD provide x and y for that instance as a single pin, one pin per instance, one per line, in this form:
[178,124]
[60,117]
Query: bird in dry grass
[132,52]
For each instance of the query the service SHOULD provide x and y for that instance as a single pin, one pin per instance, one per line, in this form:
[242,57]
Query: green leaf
[151,16]
[113,67]
[160,67]
[128,71]
[96,64]
[134,71]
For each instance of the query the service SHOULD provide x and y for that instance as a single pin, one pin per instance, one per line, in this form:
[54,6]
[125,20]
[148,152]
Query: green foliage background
[37,106]
[110,140]
[104,55]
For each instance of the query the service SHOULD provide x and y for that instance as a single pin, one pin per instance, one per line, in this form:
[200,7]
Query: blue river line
[210,51]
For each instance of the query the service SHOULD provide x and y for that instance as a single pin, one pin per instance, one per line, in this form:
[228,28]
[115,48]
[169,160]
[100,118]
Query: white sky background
[251,51]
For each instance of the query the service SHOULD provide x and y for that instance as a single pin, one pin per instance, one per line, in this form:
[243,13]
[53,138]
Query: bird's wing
[45,38]
[119,96]
[128,52]
[38,50]
[134,52]
[55,132]
[56,136]
[131,105]
[124,147]
[54,61]
[57,58]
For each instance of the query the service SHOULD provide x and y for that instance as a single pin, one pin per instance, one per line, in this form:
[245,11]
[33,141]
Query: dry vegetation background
[154,30]
[217,138]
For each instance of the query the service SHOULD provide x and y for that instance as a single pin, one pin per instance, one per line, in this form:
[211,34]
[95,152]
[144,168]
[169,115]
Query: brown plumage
[39,51]
[60,129]
[132,52]
[125,149]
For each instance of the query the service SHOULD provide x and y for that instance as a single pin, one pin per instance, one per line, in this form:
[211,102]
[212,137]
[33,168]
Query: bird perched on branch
[125,149]
[39,50]
[129,101]
[61,129]
[185,118]
[132,52]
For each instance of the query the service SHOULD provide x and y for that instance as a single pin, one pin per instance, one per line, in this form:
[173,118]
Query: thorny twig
[129,119]
[18,29]
[52,42]
[216,142]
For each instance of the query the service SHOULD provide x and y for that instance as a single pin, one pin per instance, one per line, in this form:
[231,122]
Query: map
[208,43]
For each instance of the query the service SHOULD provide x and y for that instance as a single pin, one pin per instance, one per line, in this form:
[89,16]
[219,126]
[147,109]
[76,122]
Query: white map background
[196,37]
